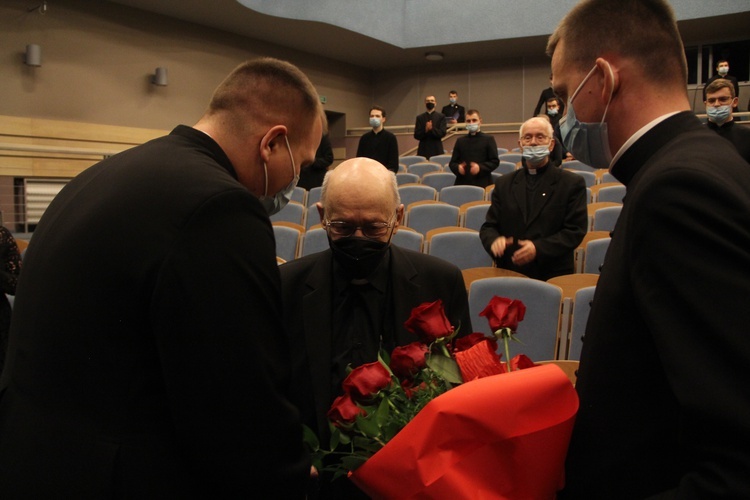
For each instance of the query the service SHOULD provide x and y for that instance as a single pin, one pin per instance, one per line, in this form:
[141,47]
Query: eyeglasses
[723,100]
[540,138]
[372,230]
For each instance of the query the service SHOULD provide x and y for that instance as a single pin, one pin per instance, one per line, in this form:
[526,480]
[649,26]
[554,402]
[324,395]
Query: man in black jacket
[663,412]
[429,130]
[474,155]
[147,358]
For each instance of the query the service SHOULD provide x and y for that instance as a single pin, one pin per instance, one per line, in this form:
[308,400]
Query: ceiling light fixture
[434,56]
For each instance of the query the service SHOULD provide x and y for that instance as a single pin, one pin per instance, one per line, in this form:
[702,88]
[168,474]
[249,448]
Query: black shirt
[382,147]
[739,135]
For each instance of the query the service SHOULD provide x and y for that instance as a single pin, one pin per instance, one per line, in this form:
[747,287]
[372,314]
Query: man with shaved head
[344,304]
[664,408]
[146,359]
[537,216]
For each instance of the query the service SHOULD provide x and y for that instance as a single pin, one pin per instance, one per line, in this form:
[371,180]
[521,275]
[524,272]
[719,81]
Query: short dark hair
[721,61]
[642,30]
[379,109]
[452,92]
[719,84]
[473,112]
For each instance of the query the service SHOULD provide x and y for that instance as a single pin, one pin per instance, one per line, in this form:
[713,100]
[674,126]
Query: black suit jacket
[430,142]
[456,111]
[556,227]
[307,291]
[480,148]
[664,395]
[146,359]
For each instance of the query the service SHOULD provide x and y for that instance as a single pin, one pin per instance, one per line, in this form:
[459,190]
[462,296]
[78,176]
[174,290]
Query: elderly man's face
[365,207]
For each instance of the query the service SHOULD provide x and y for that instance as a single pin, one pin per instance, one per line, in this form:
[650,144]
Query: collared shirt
[640,133]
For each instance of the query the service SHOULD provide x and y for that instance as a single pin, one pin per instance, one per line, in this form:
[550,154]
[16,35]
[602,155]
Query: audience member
[720,100]
[344,304]
[429,130]
[474,155]
[545,96]
[722,73]
[663,412]
[10,267]
[454,112]
[552,110]
[145,357]
[312,175]
[538,215]
[556,156]
[379,144]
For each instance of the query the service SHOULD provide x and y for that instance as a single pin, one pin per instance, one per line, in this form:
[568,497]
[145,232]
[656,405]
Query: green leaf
[446,368]
[368,425]
[310,439]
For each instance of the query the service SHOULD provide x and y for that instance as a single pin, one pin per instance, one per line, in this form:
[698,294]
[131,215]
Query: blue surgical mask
[473,128]
[552,111]
[587,142]
[535,155]
[452,100]
[273,204]
[375,122]
[723,71]
[719,114]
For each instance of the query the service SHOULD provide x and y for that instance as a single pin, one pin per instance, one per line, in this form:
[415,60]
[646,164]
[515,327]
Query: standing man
[474,155]
[663,412]
[544,97]
[720,100]
[379,144]
[454,112]
[342,305]
[538,216]
[312,176]
[146,356]
[429,130]
[722,73]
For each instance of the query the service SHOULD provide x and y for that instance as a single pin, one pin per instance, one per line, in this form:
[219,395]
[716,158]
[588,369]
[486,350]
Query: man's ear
[399,214]
[272,139]
[321,212]
[611,78]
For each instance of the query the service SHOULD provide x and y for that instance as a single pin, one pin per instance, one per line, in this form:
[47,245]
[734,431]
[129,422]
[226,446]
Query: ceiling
[340,44]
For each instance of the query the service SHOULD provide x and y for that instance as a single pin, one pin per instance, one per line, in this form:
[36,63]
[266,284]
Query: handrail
[33,148]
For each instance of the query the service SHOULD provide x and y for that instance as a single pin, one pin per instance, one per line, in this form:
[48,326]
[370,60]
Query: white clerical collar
[640,133]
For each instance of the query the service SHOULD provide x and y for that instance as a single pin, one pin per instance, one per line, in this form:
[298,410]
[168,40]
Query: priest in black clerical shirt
[474,155]
[538,215]
[379,144]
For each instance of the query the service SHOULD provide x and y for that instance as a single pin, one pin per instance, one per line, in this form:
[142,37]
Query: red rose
[410,389]
[504,313]
[366,380]
[428,321]
[467,342]
[408,360]
[520,362]
[344,411]
[479,361]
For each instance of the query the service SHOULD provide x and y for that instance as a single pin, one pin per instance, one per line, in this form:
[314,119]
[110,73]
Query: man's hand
[462,168]
[498,246]
[525,254]
[428,126]
[474,168]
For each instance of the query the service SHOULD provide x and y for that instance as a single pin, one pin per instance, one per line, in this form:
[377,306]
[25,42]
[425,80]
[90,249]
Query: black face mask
[358,256]
[430,105]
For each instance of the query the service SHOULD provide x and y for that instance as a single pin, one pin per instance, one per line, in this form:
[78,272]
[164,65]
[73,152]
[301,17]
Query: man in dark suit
[312,176]
[343,304]
[453,111]
[429,130]
[538,213]
[722,73]
[664,406]
[146,359]
[720,99]
[474,156]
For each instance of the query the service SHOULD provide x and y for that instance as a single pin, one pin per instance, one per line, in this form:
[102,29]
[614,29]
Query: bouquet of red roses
[373,423]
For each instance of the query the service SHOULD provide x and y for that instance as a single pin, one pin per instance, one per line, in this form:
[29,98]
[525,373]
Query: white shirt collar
[640,133]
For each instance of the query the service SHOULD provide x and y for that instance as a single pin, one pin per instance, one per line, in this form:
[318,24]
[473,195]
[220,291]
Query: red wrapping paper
[498,437]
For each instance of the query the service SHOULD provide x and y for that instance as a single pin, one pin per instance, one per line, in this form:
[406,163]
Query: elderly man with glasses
[344,304]
[538,213]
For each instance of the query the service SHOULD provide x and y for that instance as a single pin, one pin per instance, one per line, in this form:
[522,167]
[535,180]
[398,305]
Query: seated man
[343,304]
[474,155]
[720,100]
[538,213]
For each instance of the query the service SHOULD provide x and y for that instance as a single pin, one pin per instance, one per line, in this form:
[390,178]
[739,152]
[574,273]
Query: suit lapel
[316,318]
[518,188]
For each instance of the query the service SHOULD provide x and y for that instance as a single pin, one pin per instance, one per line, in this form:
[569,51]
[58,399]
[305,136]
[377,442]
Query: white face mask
[587,142]
[273,204]
[535,155]
[473,128]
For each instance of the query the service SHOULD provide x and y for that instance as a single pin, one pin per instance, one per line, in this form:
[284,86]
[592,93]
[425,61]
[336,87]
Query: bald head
[360,191]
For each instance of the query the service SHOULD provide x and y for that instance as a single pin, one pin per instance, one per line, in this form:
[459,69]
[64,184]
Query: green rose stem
[505,333]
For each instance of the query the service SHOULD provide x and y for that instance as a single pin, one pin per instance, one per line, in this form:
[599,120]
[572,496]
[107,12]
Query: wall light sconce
[33,55]
[434,56]
[160,77]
